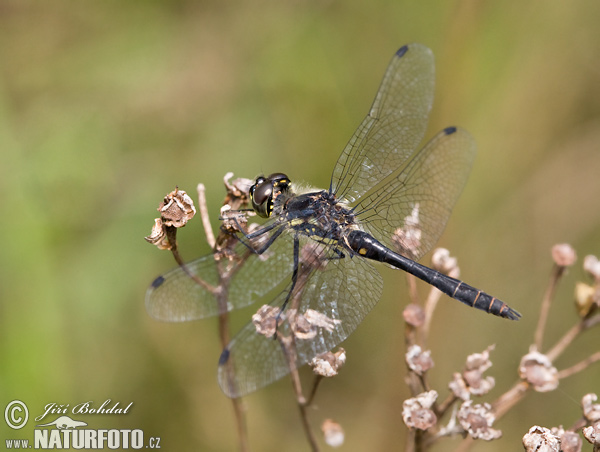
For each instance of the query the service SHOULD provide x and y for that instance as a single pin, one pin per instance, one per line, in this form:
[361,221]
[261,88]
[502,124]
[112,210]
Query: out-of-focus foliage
[107,106]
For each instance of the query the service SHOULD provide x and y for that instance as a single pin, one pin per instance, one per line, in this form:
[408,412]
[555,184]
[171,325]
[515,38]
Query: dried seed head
[564,255]
[306,326]
[569,441]
[418,361]
[476,365]
[586,298]
[444,263]
[592,434]
[477,420]
[333,433]
[414,315]
[540,439]
[158,236]
[591,410]
[459,387]
[177,209]
[416,411]
[328,364]
[407,239]
[591,264]
[537,370]
[265,320]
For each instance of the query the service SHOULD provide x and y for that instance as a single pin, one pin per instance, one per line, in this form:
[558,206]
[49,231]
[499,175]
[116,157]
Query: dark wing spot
[449,130]
[158,281]
[224,357]
[401,51]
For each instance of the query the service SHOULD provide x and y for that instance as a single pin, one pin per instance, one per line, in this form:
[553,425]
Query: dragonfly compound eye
[265,190]
[261,194]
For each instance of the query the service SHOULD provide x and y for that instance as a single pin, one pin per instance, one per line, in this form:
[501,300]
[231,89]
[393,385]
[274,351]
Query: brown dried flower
[569,441]
[444,263]
[265,320]
[416,411]
[407,239]
[158,236]
[419,361]
[333,433]
[537,370]
[414,315]
[540,439]
[586,298]
[591,410]
[477,420]
[591,265]
[564,255]
[471,381]
[592,434]
[328,364]
[177,209]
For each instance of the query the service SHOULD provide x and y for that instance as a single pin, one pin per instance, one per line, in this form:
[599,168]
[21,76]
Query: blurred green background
[107,106]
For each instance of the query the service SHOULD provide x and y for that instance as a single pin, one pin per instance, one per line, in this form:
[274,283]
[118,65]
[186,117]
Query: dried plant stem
[580,366]
[430,304]
[224,336]
[570,336]
[318,379]
[557,272]
[210,236]
[413,294]
[510,398]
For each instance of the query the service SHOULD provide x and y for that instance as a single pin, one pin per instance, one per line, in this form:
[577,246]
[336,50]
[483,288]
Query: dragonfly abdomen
[365,245]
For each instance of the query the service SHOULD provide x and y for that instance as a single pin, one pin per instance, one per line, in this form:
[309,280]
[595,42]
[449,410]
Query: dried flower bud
[158,236]
[538,371]
[328,364]
[591,410]
[459,387]
[540,439]
[416,411]
[414,315]
[585,299]
[444,263]
[476,365]
[265,320]
[563,255]
[333,433]
[477,420]
[177,209]
[592,434]
[591,264]
[418,361]
[407,239]
[569,441]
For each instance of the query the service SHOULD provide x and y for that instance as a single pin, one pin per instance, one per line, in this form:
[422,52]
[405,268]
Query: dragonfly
[311,262]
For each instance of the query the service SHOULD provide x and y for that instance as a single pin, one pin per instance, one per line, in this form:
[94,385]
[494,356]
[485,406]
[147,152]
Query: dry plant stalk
[422,412]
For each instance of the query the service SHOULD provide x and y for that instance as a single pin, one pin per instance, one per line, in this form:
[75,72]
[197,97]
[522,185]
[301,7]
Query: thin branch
[210,236]
[570,336]
[557,272]
[576,368]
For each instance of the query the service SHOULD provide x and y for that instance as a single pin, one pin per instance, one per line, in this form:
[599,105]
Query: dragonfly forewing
[242,277]
[394,127]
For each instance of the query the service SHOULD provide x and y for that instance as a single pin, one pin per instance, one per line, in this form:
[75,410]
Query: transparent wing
[409,210]
[243,279]
[394,126]
[331,303]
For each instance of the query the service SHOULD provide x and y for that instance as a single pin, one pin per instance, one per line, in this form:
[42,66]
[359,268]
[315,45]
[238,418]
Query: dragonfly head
[264,191]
